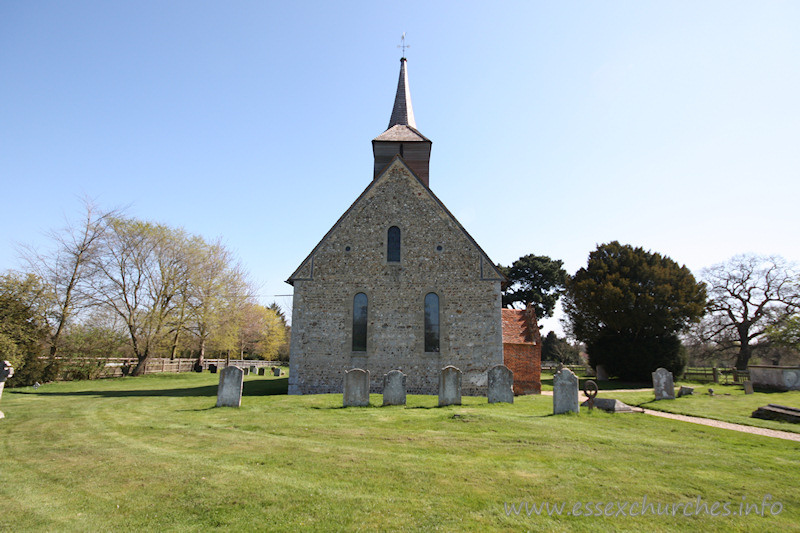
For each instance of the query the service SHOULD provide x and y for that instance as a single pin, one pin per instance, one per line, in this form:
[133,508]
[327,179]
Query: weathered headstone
[212,369]
[748,387]
[394,388]
[356,388]
[197,367]
[501,381]
[245,371]
[449,386]
[663,385]
[276,371]
[6,371]
[685,391]
[262,371]
[254,370]
[565,392]
[229,391]
[602,375]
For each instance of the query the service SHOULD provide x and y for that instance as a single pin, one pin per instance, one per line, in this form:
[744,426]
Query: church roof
[489,271]
[401,132]
[402,112]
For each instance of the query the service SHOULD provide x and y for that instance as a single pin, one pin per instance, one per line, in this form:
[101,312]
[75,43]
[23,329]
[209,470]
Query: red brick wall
[525,361]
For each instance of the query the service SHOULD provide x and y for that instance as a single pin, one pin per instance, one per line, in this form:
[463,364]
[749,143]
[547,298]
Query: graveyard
[155,453]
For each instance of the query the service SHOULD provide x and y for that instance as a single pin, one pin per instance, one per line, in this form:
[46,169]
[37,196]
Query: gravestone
[748,387]
[6,371]
[602,375]
[212,369]
[229,391]
[449,386]
[356,388]
[610,405]
[501,381]
[254,370]
[778,412]
[394,388]
[565,392]
[685,391]
[197,367]
[262,371]
[246,371]
[276,371]
[663,385]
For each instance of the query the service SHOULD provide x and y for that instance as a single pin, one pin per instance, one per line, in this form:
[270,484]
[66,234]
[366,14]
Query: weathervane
[403,44]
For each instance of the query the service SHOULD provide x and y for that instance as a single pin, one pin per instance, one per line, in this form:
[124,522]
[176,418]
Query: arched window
[360,322]
[393,245]
[431,322]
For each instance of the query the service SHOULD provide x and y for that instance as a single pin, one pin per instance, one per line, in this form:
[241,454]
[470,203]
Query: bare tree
[748,294]
[66,268]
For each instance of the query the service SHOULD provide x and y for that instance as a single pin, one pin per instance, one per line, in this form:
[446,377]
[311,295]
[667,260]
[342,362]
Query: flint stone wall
[326,283]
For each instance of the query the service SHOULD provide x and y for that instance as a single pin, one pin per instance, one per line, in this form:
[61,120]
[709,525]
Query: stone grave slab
[501,385]
[449,386]
[394,388]
[229,391]
[356,388]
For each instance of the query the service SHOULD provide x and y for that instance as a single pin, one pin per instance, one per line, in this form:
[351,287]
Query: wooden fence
[117,366]
[709,374]
[716,375]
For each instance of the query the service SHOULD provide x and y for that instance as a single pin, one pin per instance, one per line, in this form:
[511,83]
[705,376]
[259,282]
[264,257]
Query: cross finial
[403,44]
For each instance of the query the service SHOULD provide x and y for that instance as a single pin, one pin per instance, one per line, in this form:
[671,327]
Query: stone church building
[397,282]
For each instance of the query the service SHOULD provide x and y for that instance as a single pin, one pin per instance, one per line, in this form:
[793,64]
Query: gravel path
[786,435]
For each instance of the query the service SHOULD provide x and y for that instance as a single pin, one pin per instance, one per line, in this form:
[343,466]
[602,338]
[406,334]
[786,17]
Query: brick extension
[522,349]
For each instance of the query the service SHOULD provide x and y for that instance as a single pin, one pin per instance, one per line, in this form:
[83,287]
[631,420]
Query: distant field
[153,454]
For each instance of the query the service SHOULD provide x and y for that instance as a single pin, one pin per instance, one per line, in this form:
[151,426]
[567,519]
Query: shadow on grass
[256,387]
[611,384]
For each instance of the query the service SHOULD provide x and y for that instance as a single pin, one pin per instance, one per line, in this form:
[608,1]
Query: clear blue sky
[556,126]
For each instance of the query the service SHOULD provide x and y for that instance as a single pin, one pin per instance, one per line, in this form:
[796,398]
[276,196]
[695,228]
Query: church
[397,283]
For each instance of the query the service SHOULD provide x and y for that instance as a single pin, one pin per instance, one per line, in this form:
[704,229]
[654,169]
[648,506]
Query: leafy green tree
[534,280]
[23,330]
[555,348]
[140,270]
[628,305]
[786,333]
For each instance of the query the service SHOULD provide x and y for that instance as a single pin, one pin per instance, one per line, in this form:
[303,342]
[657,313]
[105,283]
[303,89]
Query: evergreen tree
[628,305]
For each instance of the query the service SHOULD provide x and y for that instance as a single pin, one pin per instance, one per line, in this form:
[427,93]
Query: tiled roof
[401,132]
[516,327]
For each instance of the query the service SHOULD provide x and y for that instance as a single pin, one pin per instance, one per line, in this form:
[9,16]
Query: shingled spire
[402,112]
[402,138]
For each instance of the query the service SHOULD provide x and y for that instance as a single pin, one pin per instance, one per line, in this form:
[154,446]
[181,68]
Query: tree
[262,332]
[65,269]
[555,348]
[218,291]
[23,330]
[748,294]
[140,270]
[786,333]
[534,280]
[628,305]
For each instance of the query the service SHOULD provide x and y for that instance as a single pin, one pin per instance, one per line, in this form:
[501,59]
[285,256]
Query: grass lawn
[152,453]
[729,404]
